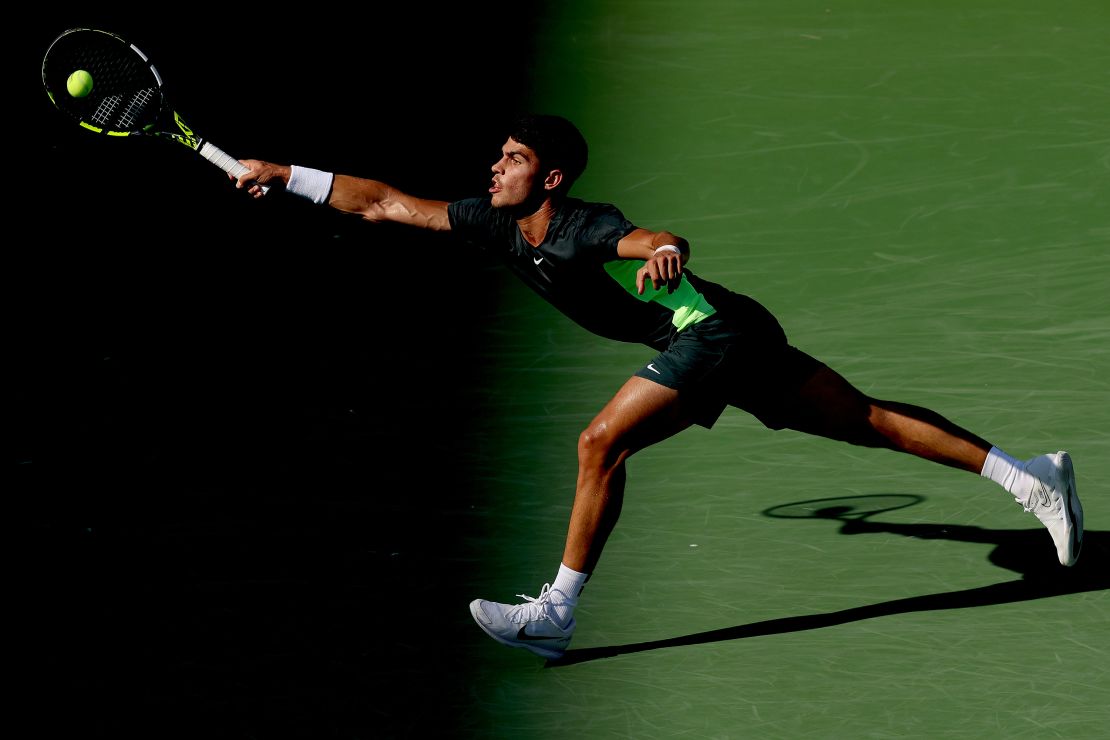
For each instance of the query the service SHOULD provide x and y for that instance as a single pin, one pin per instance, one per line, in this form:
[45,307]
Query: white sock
[567,588]
[1008,473]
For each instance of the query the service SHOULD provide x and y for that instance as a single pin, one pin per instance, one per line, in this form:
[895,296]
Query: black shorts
[737,357]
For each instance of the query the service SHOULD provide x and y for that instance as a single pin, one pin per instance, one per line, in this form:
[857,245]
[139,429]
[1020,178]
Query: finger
[661,272]
[640,280]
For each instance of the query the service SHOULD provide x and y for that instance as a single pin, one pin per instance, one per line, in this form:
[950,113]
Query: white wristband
[668,248]
[309,183]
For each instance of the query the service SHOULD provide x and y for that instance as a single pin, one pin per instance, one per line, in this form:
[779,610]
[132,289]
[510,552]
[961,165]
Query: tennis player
[715,349]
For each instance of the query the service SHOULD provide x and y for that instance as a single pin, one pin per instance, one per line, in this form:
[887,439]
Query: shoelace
[535,609]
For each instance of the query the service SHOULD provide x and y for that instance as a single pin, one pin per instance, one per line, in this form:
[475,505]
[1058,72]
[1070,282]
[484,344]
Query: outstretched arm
[372,200]
[661,266]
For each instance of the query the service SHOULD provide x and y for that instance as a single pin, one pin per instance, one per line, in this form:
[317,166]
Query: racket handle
[225,161]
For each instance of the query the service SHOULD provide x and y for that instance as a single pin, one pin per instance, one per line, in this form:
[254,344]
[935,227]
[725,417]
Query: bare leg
[641,414]
[830,406]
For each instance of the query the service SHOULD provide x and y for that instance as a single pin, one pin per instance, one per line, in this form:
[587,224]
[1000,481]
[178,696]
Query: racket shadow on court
[1026,552]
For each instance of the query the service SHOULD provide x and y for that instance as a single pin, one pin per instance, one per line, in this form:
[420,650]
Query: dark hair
[556,141]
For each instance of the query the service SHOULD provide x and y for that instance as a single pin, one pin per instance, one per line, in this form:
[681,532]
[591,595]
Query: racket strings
[136,108]
[105,112]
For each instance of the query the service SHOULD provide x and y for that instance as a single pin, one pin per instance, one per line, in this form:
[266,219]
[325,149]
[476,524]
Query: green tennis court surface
[919,192]
[267,531]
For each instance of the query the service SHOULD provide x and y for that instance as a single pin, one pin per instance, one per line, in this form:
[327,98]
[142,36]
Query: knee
[858,420]
[597,446]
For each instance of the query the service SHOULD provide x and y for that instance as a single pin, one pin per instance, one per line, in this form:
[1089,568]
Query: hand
[260,173]
[663,268]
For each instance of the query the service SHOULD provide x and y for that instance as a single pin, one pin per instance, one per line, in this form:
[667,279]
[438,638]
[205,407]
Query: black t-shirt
[578,271]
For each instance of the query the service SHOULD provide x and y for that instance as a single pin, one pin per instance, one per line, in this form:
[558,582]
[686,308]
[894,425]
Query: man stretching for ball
[631,284]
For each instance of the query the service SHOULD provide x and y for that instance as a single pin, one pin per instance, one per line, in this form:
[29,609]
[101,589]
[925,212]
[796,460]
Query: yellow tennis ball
[79,83]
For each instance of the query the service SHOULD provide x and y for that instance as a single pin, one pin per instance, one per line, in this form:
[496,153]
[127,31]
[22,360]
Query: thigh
[641,413]
[829,406]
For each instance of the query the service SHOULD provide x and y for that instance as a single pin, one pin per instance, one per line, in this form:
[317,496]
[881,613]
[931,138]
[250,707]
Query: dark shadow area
[1027,552]
[238,461]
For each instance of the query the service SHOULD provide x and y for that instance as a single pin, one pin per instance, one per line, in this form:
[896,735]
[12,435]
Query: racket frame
[183,134]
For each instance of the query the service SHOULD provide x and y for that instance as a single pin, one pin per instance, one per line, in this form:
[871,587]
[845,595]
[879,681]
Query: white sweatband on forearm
[309,183]
[664,248]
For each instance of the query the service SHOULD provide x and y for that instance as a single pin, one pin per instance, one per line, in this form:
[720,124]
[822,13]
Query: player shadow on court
[1027,552]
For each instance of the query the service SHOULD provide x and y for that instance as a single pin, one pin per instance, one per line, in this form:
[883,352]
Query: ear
[554,177]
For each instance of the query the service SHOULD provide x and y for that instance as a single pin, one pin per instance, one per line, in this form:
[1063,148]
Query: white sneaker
[529,625]
[1056,503]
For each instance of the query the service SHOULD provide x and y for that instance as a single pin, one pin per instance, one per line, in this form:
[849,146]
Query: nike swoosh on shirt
[537,261]
[652,368]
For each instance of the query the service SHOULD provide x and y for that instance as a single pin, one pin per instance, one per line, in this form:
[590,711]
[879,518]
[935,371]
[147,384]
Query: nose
[498,166]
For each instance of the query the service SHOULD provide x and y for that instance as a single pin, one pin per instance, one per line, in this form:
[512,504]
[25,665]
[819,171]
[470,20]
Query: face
[516,176]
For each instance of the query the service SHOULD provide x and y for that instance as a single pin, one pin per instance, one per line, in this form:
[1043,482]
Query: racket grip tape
[225,161]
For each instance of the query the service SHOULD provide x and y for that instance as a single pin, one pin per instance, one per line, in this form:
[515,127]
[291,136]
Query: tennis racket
[110,87]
